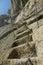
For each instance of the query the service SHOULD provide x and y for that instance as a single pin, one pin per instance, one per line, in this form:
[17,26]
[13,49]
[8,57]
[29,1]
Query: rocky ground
[22,42]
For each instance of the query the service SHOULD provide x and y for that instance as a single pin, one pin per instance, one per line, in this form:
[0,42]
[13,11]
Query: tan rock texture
[21,41]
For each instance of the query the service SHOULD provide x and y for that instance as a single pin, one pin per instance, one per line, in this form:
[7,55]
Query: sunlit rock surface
[21,40]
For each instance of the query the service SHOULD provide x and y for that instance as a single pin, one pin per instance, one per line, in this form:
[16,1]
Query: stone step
[25,61]
[27,32]
[21,51]
[21,29]
[23,40]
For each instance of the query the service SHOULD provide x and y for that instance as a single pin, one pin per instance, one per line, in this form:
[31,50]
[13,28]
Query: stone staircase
[22,44]
[24,51]
[21,51]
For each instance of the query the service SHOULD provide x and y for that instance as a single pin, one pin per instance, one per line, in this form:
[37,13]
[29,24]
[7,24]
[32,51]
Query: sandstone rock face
[21,41]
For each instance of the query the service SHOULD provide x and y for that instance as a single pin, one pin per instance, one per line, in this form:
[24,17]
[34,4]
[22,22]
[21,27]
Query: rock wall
[21,43]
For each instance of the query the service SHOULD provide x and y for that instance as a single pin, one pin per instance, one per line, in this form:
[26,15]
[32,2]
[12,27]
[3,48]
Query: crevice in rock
[36,19]
[15,44]
[24,33]
[32,14]
[14,55]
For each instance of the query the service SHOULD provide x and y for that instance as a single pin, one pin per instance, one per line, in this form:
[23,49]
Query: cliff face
[17,5]
[21,41]
[30,10]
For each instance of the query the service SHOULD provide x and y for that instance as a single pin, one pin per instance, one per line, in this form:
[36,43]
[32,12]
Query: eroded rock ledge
[22,42]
